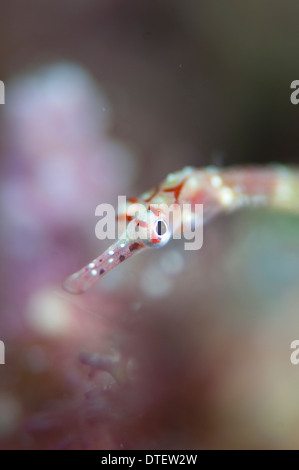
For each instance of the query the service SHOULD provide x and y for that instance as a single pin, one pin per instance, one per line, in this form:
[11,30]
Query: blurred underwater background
[173,349]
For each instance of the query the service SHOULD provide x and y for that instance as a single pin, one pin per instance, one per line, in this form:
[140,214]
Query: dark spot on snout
[122,258]
[134,246]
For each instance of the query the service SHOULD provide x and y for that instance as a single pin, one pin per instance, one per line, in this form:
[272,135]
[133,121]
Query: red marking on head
[124,217]
[156,190]
[154,210]
[176,190]
[141,223]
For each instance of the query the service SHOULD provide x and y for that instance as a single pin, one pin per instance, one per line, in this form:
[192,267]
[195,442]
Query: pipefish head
[146,228]
[146,224]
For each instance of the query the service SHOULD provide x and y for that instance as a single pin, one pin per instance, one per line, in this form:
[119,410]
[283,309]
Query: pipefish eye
[160,233]
[161,228]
